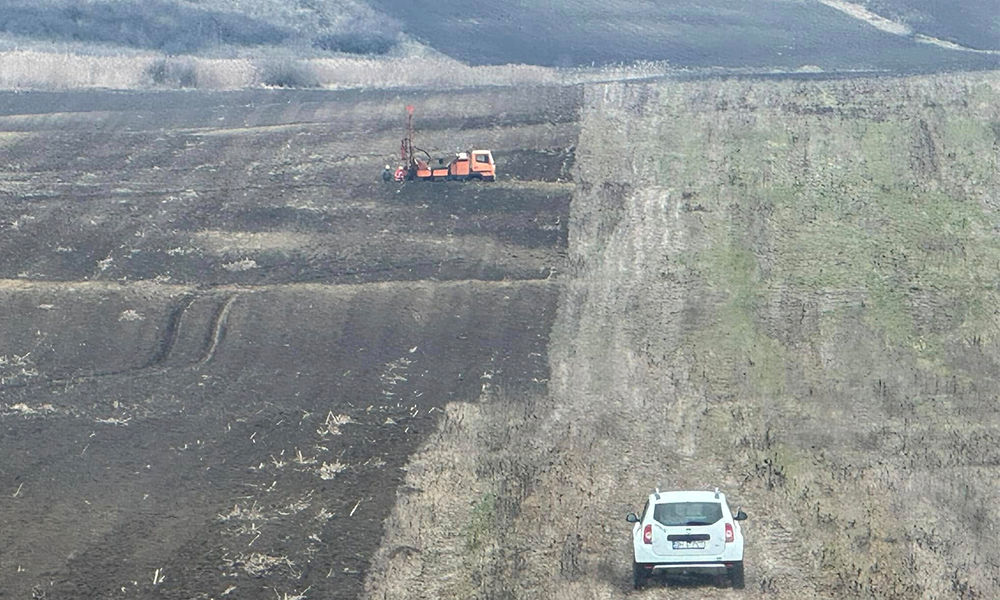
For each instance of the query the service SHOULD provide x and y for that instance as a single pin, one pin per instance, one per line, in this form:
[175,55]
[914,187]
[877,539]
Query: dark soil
[973,23]
[210,297]
[720,33]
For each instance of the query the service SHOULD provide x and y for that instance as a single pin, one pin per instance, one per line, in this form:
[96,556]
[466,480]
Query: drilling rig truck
[471,164]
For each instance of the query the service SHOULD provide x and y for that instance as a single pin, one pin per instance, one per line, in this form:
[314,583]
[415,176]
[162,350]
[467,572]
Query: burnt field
[716,33]
[223,336]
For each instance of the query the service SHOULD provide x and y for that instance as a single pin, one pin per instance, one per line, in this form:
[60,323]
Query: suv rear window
[679,514]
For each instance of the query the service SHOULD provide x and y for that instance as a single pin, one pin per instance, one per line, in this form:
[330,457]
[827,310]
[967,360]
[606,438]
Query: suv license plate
[689,545]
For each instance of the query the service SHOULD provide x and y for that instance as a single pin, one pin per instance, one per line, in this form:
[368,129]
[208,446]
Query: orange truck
[472,164]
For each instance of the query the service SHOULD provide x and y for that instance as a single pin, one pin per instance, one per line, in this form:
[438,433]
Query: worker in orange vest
[400,173]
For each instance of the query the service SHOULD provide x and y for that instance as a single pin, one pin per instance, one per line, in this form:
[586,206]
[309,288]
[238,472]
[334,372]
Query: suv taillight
[730,536]
[647,534]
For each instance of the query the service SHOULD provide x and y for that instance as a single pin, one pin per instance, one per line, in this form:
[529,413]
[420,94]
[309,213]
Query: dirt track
[224,337]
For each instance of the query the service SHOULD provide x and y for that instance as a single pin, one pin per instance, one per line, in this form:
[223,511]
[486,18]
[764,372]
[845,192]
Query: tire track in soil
[169,336]
[217,330]
[157,365]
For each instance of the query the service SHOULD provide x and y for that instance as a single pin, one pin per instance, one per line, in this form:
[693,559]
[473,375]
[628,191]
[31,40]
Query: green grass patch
[734,345]
[875,209]
[483,522]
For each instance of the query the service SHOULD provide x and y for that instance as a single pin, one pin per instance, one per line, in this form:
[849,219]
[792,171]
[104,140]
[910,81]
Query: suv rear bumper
[690,567]
[643,554]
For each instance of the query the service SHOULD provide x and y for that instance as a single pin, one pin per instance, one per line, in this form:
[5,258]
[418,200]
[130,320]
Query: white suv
[687,532]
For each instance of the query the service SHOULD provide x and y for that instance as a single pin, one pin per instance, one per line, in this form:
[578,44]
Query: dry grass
[15,369]
[474,472]
[294,595]
[38,70]
[244,264]
[329,471]
[861,13]
[244,513]
[52,71]
[23,409]
[261,565]
[332,424]
[301,459]
[741,314]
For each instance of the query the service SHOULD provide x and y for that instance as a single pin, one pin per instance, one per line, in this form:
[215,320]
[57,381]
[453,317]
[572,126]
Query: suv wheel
[638,576]
[736,575]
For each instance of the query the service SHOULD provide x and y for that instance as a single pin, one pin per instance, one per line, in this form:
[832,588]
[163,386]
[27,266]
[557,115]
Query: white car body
[687,531]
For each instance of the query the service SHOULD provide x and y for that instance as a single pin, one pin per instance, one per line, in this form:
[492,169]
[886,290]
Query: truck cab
[474,164]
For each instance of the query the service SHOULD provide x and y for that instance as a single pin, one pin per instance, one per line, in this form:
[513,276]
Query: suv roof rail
[716,493]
